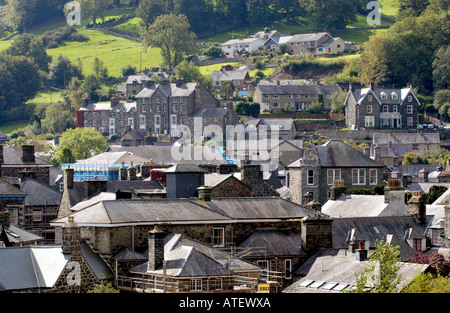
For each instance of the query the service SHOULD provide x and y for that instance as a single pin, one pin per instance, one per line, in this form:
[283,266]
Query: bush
[53,38]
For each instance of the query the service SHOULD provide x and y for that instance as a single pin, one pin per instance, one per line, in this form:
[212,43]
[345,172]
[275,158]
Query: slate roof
[360,93]
[274,89]
[39,195]
[170,90]
[33,267]
[258,208]
[333,270]
[276,242]
[173,211]
[108,158]
[308,37]
[210,112]
[355,206]
[13,156]
[228,75]
[186,261]
[7,189]
[174,241]
[406,138]
[16,235]
[241,41]
[151,211]
[163,154]
[377,228]
[285,124]
[108,106]
[184,168]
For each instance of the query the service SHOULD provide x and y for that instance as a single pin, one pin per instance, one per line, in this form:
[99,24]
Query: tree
[381,274]
[171,34]
[213,52]
[99,68]
[19,81]
[335,14]
[104,287]
[20,14]
[428,283]
[227,90]
[32,47]
[94,9]
[128,70]
[61,72]
[337,102]
[91,86]
[149,10]
[411,7]
[441,69]
[82,142]
[73,95]
[57,119]
[316,107]
[441,97]
[188,72]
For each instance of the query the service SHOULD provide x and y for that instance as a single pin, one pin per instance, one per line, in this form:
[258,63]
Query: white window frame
[373,179]
[409,109]
[360,176]
[332,175]
[409,121]
[369,98]
[288,269]
[385,108]
[263,263]
[196,284]
[308,176]
[369,121]
[219,284]
[395,109]
[369,108]
[218,238]
[410,98]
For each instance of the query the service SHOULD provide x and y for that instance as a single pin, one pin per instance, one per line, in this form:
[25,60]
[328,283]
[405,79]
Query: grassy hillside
[114,51]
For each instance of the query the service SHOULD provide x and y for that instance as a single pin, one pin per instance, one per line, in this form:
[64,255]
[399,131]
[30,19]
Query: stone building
[276,97]
[41,206]
[314,174]
[158,109]
[381,108]
[72,267]
[22,164]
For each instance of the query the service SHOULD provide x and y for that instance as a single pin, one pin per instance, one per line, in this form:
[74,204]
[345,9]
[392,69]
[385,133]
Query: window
[369,98]
[333,175]
[385,108]
[196,285]
[275,105]
[219,284]
[219,237]
[144,109]
[369,121]
[14,216]
[266,97]
[409,98]
[358,176]
[288,269]
[275,97]
[369,109]
[410,122]
[394,109]
[263,263]
[417,244]
[289,96]
[373,176]
[310,180]
[409,109]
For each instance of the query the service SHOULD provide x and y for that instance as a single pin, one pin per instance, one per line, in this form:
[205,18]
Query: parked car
[420,126]
[430,126]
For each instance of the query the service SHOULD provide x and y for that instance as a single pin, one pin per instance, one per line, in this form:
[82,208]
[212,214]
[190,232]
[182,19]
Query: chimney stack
[307,197]
[251,172]
[417,207]
[316,233]
[71,236]
[337,190]
[155,249]
[68,178]
[132,172]
[28,154]
[423,175]
[123,174]
[377,153]
[367,150]
[1,154]
[204,193]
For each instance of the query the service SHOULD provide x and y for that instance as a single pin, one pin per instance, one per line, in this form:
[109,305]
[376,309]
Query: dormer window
[383,95]
[394,96]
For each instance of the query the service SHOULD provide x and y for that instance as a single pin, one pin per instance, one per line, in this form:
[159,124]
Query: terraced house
[381,107]
[276,97]
[158,109]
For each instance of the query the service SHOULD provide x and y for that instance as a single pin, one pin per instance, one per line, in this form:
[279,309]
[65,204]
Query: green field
[114,51]
[389,8]
[11,128]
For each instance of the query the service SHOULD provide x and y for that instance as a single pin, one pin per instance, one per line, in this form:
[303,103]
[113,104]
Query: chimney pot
[28,154]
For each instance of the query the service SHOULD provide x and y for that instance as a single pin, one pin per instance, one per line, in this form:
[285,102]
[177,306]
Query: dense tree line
[203,15]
